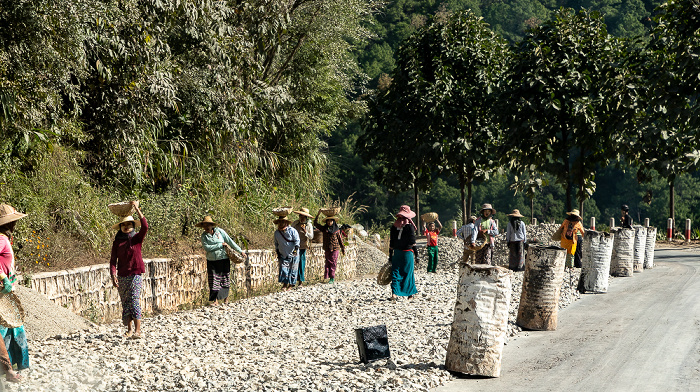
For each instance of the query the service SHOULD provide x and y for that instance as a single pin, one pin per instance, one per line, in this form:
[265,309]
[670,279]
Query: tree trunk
[672,203]
[532,210]
[580,209]
[462,184]
[568,196]
[417,199]
[469,195]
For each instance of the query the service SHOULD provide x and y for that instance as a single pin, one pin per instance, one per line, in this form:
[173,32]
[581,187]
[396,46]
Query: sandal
[136,336]
[14,377]
[127,334]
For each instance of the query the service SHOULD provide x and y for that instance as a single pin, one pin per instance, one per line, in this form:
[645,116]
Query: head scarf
[515,220]
[332,229]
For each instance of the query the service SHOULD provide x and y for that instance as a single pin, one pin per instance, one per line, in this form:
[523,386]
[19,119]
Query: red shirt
[432,237]
[126,257]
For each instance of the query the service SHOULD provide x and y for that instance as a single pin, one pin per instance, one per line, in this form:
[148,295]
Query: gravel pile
[541,234]
[301,340]
[369,258]
[43,318]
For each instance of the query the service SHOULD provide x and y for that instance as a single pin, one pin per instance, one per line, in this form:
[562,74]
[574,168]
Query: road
[643,335]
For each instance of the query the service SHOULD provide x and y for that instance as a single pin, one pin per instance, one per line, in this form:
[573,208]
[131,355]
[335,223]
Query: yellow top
[573,227]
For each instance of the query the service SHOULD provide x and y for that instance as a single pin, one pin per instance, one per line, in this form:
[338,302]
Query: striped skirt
[130,288]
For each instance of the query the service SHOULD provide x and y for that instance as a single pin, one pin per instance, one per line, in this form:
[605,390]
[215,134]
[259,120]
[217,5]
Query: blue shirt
[286,241]
[468,234]
[516,233]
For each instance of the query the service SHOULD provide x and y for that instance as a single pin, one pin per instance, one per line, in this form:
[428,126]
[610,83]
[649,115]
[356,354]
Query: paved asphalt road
[643,335]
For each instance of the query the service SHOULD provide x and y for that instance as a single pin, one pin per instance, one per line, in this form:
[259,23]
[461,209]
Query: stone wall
[169,284]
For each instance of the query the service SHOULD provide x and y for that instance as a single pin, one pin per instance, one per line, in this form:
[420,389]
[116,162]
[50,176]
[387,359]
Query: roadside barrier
[622,259]
[595,269]
[479,329]
[539,300]
[640,242]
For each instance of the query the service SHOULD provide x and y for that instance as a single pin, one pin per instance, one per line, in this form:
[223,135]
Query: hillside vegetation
[231,108]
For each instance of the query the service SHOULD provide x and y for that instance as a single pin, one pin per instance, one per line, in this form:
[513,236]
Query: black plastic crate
[373,343]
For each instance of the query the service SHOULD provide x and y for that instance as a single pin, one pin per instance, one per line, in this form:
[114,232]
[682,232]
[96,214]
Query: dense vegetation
[193,107]
[232,107]
[588,73]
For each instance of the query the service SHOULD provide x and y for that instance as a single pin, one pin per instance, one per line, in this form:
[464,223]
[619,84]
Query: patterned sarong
[484,255]
[219,275]
[331,264]
[130,288]
[516,256]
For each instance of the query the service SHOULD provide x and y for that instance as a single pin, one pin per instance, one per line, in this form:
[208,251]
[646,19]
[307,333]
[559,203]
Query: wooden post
[646,222]
[687,230]
[593,223]
[669,227]
[612,222]
[454,229]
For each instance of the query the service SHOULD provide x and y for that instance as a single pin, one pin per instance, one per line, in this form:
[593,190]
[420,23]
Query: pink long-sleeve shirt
[126,257]
[7,256]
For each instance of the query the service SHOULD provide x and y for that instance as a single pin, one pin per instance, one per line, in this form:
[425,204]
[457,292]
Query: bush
[69,225]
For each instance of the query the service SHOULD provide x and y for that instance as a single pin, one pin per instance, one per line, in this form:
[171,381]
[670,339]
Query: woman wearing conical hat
[15,338]
[126,266]
[402,250]
[305,229]
[487,226]
[572,225]
[332,244]
[215,241]
[287,249]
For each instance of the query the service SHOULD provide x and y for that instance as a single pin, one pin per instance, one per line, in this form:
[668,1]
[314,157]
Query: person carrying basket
[215,242]
[13,345]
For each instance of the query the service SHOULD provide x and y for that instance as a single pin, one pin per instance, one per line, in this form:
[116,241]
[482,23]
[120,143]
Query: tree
[530,184]
[440,99]
[570,100]
[42,61]
[668,143]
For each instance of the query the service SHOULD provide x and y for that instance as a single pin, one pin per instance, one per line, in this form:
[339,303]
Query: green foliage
[570,100]
[668,142]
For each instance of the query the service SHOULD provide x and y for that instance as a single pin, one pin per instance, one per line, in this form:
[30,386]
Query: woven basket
[122,209]
[480,242]
[282,211]
[384,275]
[429,217]
[330,211]
[11,311]
[233,255]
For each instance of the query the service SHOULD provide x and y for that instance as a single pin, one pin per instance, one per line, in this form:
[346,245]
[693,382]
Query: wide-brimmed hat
[281,219]
[574,212]
[405,212]
[207,219]
[9,214]
[303,211]
[516,213]
[335,218]
[487,206]
[124,219]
